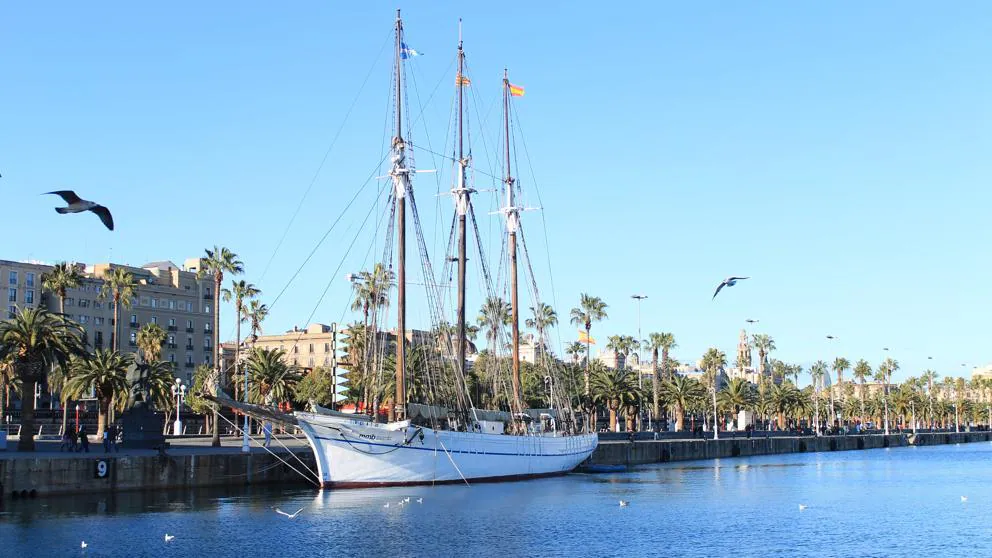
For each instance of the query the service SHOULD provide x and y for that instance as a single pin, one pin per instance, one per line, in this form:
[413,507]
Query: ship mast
[512,221]
[401,182]
[462,200]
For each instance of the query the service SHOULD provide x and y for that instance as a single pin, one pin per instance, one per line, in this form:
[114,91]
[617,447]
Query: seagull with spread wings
[728,282]
[78,205]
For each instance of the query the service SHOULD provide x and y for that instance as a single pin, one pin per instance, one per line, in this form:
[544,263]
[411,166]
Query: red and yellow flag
[516,91]
[462,80]
[584,338]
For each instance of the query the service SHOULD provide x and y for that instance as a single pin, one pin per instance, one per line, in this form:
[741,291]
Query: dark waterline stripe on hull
[351,443]
[508,478]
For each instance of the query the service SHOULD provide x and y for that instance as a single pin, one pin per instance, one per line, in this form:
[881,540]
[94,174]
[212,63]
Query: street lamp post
[77,417]
[639,298]
[179,392]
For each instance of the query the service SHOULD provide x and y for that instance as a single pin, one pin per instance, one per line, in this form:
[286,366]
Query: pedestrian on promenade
[73,437]
[84,440]
[66,440]
[115,437]
[267,429]
[106,439]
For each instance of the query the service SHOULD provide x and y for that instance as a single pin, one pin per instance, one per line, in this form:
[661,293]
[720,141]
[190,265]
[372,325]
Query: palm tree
[621,345]
[862,371]
[371,290]
[151,337]
[765,345]
[33,342]
[217,262]
[841,364]
[119,286]
[738,395]
[884,375]
[783,398]
[105,374]
[614,388]
[929,376]
[590,309]
[682,393]
[714,361]
[663,342]
[575,350]
[818,371]
[544,317]
[240,291]
[494,314]
[270,379]
[63,277]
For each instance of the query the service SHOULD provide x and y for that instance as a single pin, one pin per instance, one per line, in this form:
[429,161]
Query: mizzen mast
[401,183]
[512,213]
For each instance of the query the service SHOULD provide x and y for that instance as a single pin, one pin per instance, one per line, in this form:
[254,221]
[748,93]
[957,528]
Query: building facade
[165,294]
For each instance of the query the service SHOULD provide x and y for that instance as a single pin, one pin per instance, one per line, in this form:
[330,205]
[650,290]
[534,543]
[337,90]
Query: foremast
[462,197]
[400,175]
[512,213]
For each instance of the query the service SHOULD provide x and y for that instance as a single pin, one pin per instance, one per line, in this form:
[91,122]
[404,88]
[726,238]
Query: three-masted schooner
[439,445]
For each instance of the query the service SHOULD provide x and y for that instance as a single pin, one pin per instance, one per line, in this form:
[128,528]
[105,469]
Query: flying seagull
[78,205]
[728,282]
[964,498]
[292,515]
[802,507]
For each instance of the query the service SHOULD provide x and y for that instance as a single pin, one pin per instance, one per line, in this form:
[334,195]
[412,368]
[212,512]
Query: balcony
[189,347]
[190,330]
[172,328]
[207,330]
[207,296]
[132,344]
[171,345]
[189,365]
[134,325]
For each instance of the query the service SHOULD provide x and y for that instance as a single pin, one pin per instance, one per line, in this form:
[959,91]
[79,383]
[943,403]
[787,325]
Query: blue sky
[837,153]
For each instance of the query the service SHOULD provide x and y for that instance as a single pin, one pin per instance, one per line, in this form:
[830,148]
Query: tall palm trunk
[679,418]
[26,440]
[215,435]
[237,365]
[102,415]
[614,427]
[592,408]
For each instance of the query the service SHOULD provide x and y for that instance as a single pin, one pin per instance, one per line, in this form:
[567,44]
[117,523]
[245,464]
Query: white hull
[353,453]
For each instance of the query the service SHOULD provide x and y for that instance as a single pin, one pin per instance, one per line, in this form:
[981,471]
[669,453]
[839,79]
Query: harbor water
[907,501]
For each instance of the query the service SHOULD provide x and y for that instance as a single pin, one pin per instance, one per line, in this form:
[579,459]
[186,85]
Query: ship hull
[353,454]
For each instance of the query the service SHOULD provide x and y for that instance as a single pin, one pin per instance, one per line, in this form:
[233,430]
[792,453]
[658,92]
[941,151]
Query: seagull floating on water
[386,505]
[624,503]
[289,515]
[83,544]
[728,282]
[407,499]
[420,500]
[78,205]
[168,537]
[802,507]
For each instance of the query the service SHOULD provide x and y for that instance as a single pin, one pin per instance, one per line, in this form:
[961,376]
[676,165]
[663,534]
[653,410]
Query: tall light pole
[885,394]
[833,410]
[639,298]
[179,392]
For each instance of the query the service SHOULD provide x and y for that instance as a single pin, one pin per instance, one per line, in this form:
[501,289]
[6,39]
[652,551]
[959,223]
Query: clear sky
[837,153]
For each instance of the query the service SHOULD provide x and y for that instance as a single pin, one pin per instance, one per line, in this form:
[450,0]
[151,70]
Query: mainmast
[512,221]
[461,195]
[401,182]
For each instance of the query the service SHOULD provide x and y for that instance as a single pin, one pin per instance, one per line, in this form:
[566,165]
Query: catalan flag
[462,80]
[516,91]
[584,338]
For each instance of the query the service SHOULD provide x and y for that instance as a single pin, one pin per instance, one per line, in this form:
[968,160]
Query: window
[189,306]
[97,304]
[155,320]
[189,358]
[134,337]
[29,296]
[84,303]
[12,295]
[296,349]
[311,362]
[327,347]
[172,305]
[311,348]
[206,308]
[206,292]
[134,319]
[11,312]
[172,322]
[98,336]
[206,359]
[206,342]
[98,320]
[172,357]
[154,303]
[13,278]
[172,339]
[295,362]
[84,319]
[144,301]
[30,278]
[327,361]
[69,301]
[189,324]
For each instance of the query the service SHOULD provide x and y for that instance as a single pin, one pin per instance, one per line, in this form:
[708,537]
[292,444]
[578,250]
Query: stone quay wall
[663,451]
[50,476]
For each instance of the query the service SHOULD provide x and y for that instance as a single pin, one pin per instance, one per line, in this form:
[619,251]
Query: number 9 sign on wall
[102,469]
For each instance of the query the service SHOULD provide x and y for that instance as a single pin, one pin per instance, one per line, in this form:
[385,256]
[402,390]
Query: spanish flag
[516,90]
[584,338]
[462,80]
